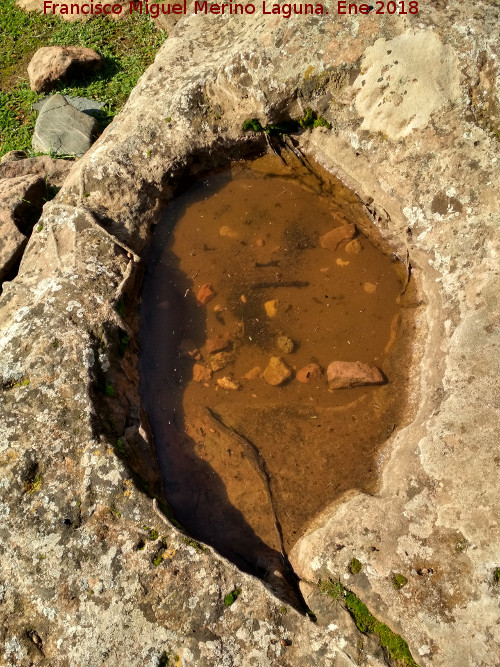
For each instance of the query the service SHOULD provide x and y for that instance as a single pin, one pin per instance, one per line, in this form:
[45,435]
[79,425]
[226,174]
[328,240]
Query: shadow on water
[195,492]
[246,471]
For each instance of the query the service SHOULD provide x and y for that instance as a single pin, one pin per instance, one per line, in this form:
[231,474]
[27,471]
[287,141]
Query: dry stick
[260,465]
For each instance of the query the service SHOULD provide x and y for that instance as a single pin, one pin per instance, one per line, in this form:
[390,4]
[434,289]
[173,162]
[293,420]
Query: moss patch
[398,581]
[290,126]
[355,566]
[232,597]
[394,645]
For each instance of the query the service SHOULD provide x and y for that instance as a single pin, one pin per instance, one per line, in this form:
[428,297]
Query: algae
[394,645]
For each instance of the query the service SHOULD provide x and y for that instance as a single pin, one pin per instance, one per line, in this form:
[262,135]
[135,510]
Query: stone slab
[61,129]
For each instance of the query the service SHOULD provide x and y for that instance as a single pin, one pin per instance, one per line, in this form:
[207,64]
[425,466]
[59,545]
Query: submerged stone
[348,374]
[332,239]
[276,372]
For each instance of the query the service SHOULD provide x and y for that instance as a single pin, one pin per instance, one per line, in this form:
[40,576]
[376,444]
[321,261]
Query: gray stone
[83,104]
[63,130]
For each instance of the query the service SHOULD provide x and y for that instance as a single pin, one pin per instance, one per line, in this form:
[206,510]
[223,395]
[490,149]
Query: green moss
[496,574]
[322,122]
[119,447]
[232,597]
[395,646]
[355,566]
[34,484]
[193,543]
[158,560]
[109,391]
[290,126]
[116,513]
[120,308]
[398,581]
[39,227]
[124,340]
[153,535]
[283,610]
[252,124]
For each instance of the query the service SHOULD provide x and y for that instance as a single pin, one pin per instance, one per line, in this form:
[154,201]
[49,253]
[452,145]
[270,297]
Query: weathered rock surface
[21,201]
[348,374]
[63,130]
[51,64]
[12,156]
[72,518]
[52,170]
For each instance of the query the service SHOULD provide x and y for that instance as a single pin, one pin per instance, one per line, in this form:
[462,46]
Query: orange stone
[205,294]
[309,373]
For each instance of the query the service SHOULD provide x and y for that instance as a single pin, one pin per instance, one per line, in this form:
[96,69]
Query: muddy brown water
[252,232]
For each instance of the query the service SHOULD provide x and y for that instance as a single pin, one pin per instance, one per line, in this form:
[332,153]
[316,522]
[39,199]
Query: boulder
[332,239]
[12,156]
[348,374]
[63,130]
[52,170]
[51,64]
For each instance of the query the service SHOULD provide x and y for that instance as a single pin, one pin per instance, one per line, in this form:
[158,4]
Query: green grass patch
[127,47]
[393,644]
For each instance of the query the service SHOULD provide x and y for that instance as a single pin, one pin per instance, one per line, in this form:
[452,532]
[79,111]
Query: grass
[394,645]
[127,47]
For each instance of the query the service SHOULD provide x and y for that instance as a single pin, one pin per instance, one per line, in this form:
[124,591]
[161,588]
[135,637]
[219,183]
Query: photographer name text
[154,10]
